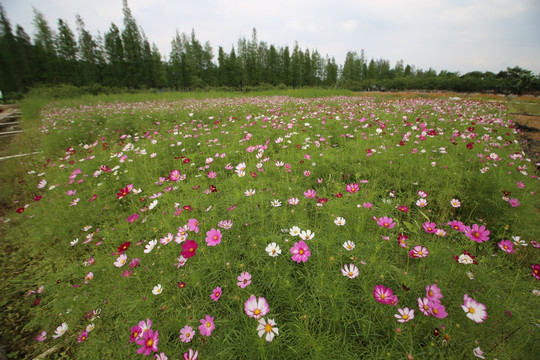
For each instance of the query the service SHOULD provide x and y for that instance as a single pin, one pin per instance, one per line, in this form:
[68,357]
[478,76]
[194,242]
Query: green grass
[319,312]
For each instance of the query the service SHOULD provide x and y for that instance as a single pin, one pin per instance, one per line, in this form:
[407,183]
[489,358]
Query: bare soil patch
[529,135]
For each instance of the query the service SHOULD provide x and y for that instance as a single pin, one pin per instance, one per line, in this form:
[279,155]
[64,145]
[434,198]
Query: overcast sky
[453,35]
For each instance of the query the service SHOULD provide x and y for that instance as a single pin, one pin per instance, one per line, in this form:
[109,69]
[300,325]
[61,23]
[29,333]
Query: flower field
[275,227]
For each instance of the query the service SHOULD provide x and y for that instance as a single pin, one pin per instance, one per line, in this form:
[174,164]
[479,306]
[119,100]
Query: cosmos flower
[273,249]
[418,251]
[339,221]
[60,330]
[213,237]
[477,233]
[158,289]
[256,308]
[244,279]
[349,245]
[186,334]
[300,252]
[216,294]
[386,222]
[404,315]
[384,295]
[351,271]
[148,342]
[507,246]
[475,311]
[267,327]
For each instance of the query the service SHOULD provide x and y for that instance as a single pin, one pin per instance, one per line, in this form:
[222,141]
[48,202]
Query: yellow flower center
[273,251]
[257,312]
[471,310]
[301,252]
[383,296]
[435,311]
[420,252]
[215,237]
[405,316]
[350,273]
[268,328]
[208,324]
[217,294]
[150,342]
[191,249]
[188,335]
[476,234]
[385,224]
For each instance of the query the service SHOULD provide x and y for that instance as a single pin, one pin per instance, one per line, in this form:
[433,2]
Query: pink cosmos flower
[507,245]
[457,225]
[536,270]
[213,237]
[256,308]
[175,175]
[216,294]
[134,263]
[148,342]
[207,326]
[191,355]
[352,188]
[300,252]
[433,292]
[132,218]
[430,227]
[386,222]
[160,356]
[41,337]
[402,240]
[310,194]
[403,208]
[520,185]
[404,315]
[477,233]
[437,309]
[186,334]
[418,251]
[193,225]
[384,295]
[244,279]
[82,336]
[368,205]
[475,311]
[211,175]
[293,201]
[514,202]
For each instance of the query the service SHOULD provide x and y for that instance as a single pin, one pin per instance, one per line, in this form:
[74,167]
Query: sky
[452,35]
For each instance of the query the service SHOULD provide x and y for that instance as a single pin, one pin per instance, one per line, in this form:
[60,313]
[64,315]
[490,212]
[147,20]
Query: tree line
[124,58]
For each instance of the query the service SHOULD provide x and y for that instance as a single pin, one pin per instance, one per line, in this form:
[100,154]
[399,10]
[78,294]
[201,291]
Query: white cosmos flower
[153,204]
[349,245]
[351,271]
[60,330]
[306,235]
[157,289]
[273,249]
[150,246]
[294,231]
[269,328]
[275,203]
[339,221]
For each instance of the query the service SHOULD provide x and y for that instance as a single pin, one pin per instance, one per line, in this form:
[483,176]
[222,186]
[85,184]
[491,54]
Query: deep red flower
[470,145]
[37,198]
[213,188]
[20,210]
[186,160]
[122,248]
[187,207]
[339,195]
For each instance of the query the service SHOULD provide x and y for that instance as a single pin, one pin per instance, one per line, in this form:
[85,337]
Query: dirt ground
[529,134]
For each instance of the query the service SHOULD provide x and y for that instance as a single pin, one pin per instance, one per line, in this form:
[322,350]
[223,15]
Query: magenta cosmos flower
[148,342]
[457,225]
[430,227]
[213,237]
[384,295]
[352,188]
[300,252]
[244,279]
[189,248]
[477,233]
[216,294]
[507,246]
[256,308]
[207,325]
[437,309]
[475,311]
[310,194]
[536,270]
[386,222]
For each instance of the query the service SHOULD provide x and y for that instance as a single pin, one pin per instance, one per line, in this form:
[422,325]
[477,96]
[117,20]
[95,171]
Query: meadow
[292,226]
